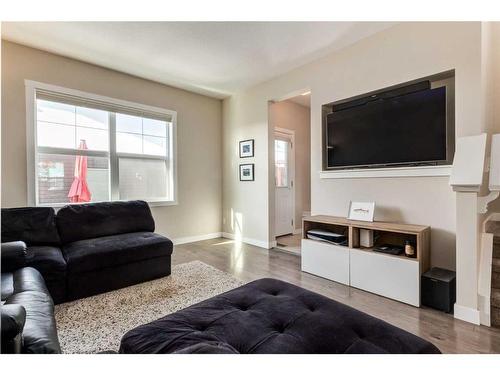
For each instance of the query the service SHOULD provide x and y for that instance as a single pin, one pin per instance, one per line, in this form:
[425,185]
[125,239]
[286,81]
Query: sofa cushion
[111,251]
[271,316]
[85,221]
[89,283]
[49,261]
[32,225]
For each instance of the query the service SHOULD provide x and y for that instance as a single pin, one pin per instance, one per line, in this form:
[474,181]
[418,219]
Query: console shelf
[393,276]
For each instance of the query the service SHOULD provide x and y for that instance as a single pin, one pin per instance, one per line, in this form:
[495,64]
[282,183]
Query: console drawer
[326,260]
[389,276]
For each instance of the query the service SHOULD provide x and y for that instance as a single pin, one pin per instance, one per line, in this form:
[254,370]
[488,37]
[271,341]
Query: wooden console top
[375,225]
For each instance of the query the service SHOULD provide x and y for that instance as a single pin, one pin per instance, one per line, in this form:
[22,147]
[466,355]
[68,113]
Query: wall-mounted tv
[407,125]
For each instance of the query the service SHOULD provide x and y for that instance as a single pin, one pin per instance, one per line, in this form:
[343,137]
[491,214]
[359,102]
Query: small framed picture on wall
[246,172]
[246,148]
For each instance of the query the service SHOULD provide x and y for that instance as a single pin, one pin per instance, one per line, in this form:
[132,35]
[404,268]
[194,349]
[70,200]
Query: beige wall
[199,122]
[493,86]
[495,45]
[292,116]
[402,53]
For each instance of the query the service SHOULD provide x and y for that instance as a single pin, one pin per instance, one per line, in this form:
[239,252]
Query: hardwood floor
[248,263]
[290,243]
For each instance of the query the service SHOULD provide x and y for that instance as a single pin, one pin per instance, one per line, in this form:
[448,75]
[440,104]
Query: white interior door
[284,200]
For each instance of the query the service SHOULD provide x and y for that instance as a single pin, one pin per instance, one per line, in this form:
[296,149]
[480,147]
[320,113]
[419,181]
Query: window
[87,148]
[281,162]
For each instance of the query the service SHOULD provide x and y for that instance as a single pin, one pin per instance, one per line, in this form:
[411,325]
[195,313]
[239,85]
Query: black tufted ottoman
[271,316]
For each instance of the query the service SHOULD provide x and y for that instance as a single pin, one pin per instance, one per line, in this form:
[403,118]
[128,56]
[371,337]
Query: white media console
[392,276]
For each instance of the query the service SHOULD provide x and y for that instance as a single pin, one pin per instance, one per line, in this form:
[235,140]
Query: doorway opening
[290,120]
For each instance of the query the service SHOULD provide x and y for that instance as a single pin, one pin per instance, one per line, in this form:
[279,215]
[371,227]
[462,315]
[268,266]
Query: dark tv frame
[446,79]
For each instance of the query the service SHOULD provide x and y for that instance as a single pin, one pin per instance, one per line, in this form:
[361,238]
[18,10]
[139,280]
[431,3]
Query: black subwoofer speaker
[439,289]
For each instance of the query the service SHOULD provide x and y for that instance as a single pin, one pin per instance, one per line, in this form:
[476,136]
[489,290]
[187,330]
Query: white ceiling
[212,58]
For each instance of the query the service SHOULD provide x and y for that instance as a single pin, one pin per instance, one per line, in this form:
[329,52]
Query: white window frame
[31,88]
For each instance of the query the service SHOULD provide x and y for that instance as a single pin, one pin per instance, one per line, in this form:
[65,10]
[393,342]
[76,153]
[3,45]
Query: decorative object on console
[366,238]
[363,211]
[247,172]
[246,148]
[410,249]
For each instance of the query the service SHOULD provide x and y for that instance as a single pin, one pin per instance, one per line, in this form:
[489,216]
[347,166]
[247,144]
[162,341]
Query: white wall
[199,133]
[399,54]
[289,115]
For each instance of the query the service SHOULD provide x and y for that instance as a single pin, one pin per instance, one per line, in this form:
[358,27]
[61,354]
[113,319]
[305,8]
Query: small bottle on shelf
[410,249]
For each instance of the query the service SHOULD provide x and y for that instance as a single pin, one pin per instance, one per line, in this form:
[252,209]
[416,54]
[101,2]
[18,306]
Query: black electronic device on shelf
[327,236]
[389,249]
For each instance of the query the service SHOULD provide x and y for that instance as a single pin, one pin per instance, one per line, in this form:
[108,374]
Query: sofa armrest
[13,319]
[13,255]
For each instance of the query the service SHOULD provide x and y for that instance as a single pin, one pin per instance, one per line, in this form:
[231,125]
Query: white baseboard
[467,314]
[209,236]
[250,241]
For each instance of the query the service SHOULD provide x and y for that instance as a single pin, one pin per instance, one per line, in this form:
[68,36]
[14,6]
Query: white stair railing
[485,264]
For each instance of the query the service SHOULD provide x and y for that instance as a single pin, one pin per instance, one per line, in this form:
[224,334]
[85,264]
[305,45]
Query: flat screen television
[406,126]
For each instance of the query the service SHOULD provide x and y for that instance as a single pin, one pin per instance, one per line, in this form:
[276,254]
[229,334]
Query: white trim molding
[421,171]
[467,314]
[288,134]
[250,241]
[190,239]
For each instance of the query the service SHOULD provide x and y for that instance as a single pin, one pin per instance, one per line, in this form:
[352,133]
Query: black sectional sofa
[84,250]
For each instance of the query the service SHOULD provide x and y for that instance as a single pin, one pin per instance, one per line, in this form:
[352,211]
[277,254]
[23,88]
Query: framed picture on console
[363,211]
[246,148]
[246,172]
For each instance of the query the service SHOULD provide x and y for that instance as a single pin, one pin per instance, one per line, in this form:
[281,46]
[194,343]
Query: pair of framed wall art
[247,171]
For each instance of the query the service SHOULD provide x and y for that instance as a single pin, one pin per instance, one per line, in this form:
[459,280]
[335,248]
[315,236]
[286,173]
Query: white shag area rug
[97,323]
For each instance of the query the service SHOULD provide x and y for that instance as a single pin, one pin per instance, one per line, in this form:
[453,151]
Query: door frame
[291,170]
[271,191]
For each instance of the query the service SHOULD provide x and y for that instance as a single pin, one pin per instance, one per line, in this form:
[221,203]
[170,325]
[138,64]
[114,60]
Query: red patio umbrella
[79,191]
